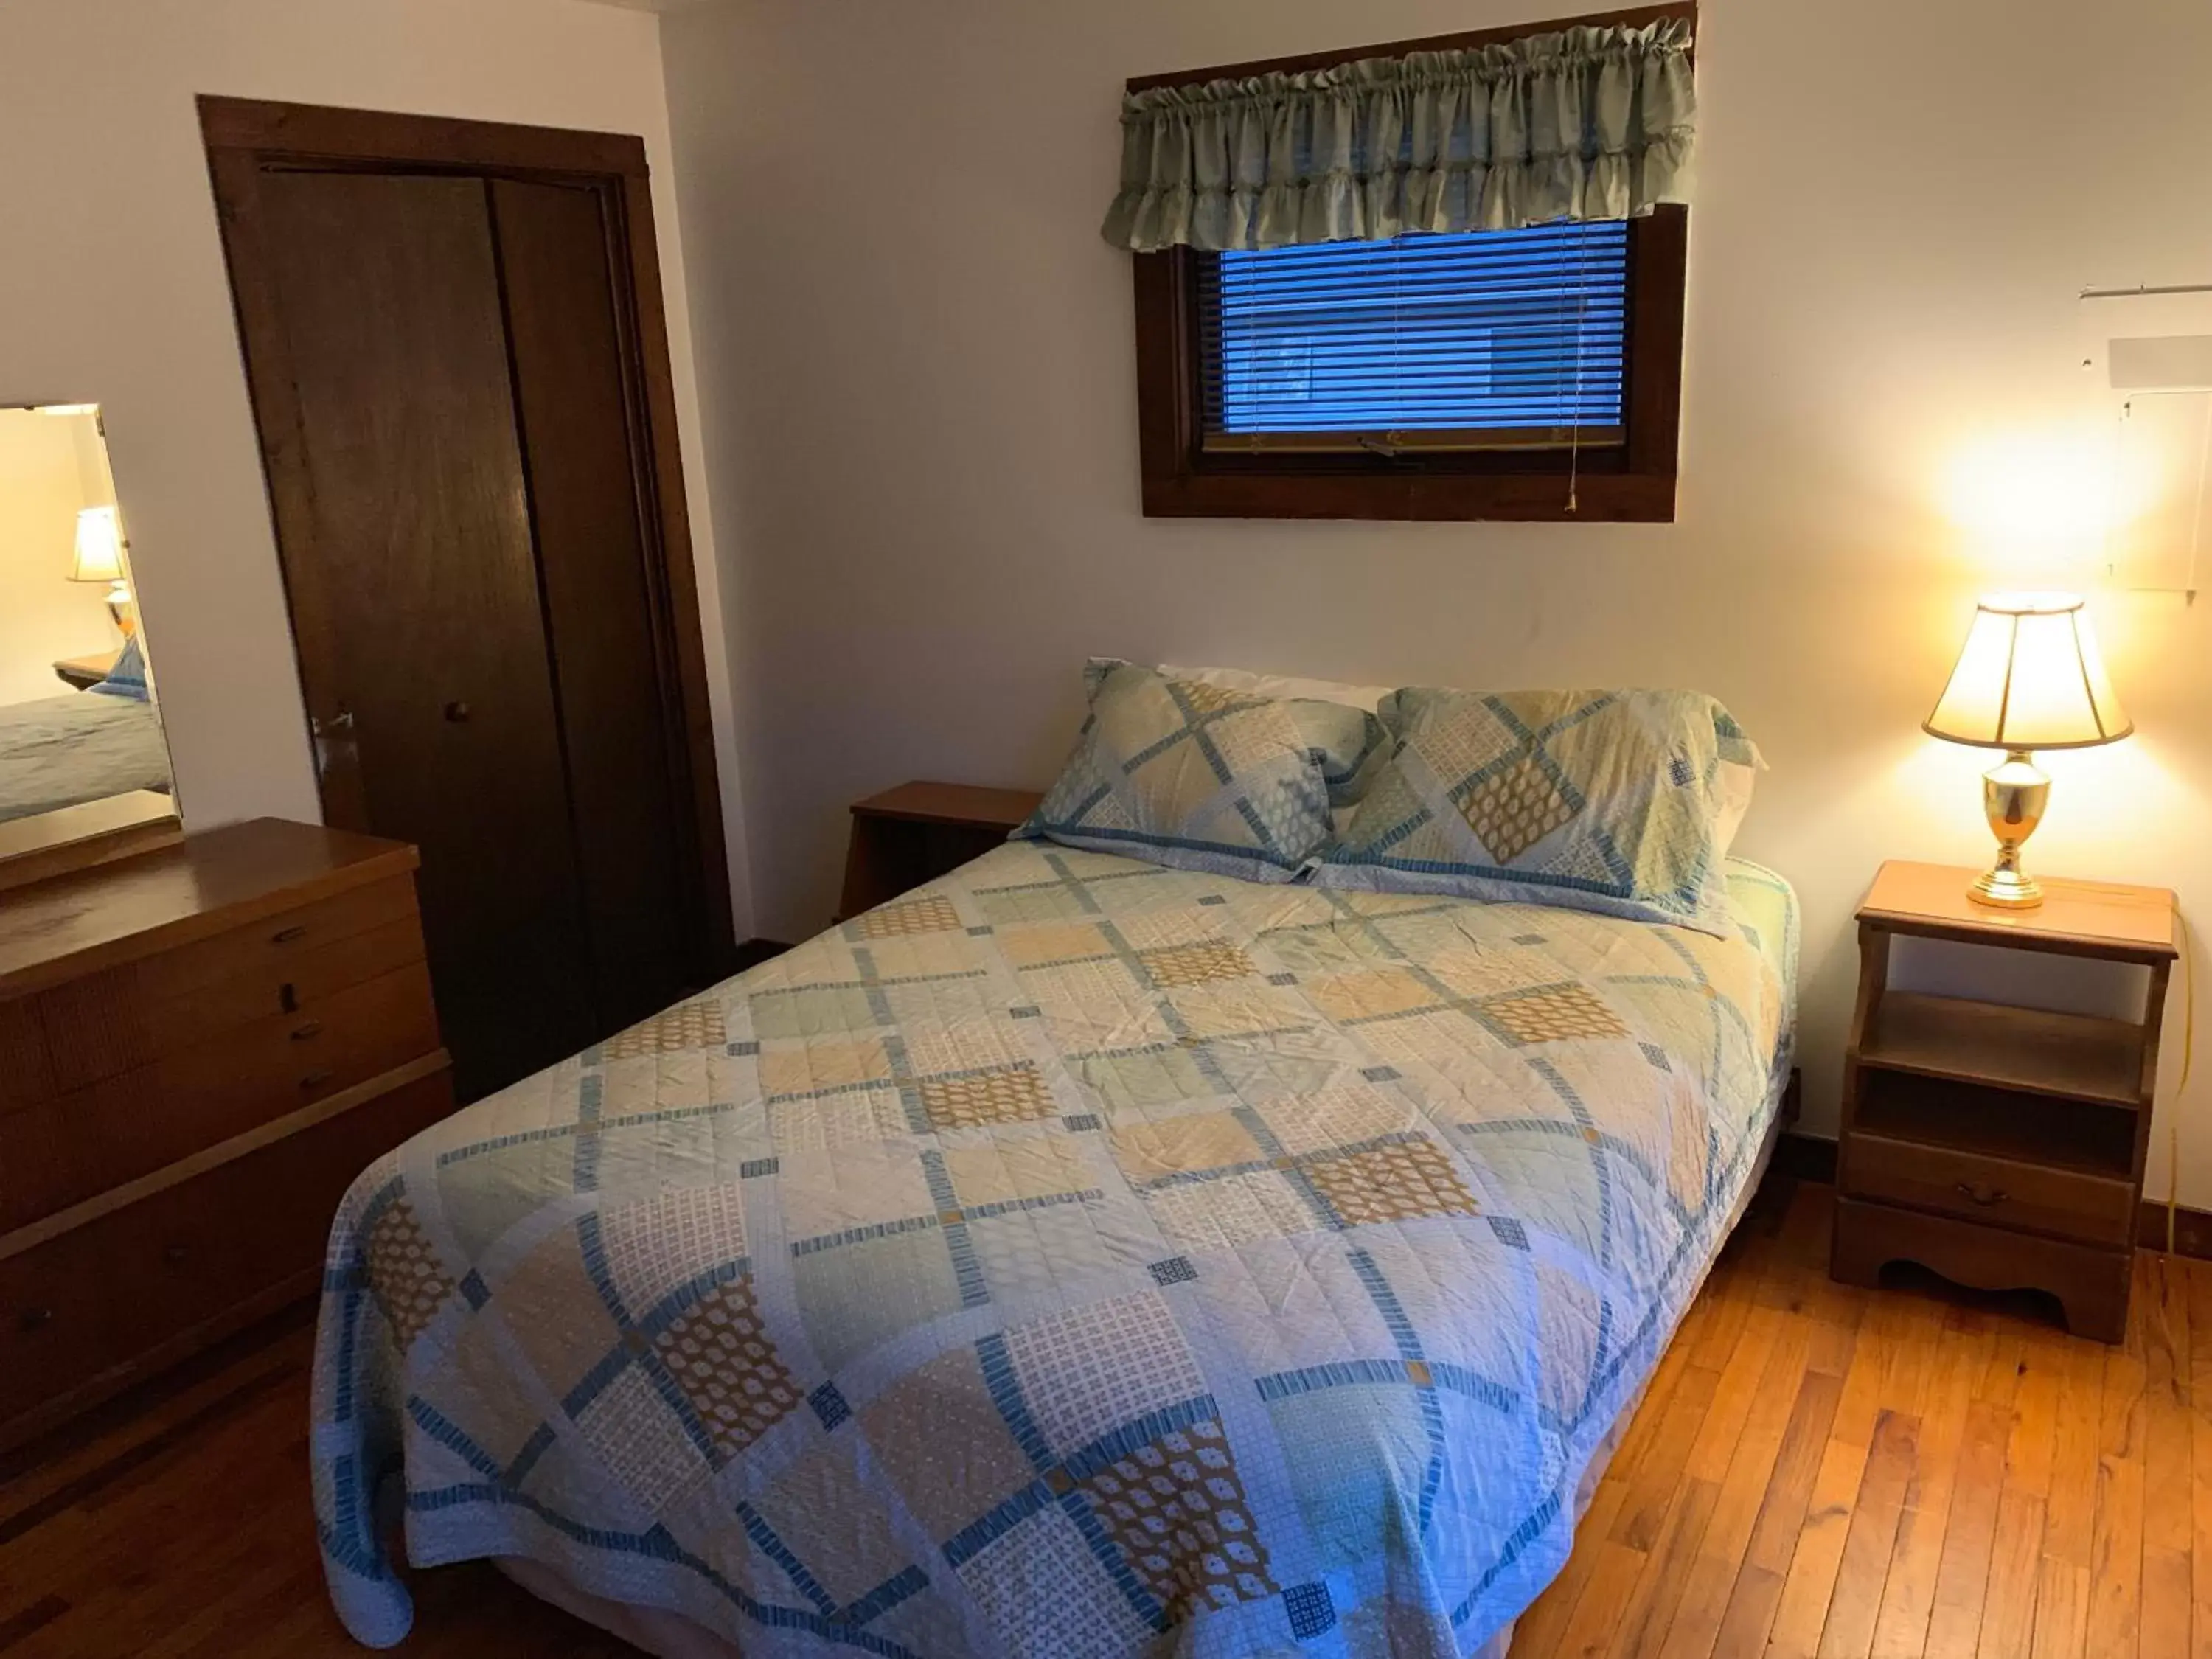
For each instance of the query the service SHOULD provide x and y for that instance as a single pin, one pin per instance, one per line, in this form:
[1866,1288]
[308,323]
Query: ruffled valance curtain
[1588,123]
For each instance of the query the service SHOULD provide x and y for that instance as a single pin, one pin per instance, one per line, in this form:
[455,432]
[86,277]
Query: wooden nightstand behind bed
[2002,1146]
[920,831]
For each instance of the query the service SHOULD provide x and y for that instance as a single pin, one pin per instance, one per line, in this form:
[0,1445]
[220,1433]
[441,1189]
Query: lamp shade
[98,546]
[2030,677]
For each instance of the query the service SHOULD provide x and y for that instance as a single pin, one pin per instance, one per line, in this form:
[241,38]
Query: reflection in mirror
[79,734]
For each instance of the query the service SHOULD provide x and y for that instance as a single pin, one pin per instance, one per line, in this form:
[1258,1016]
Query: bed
[80,746]
[1075,1256]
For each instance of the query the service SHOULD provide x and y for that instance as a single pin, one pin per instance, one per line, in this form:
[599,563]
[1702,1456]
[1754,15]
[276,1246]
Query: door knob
[457,712]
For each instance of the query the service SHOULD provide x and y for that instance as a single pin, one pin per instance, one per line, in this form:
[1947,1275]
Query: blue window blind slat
[1486,332]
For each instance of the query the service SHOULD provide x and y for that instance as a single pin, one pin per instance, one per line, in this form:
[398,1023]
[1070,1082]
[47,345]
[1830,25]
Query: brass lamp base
[2013,797]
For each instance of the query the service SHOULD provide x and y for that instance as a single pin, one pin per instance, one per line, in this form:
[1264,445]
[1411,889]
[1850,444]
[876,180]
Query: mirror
[84,770]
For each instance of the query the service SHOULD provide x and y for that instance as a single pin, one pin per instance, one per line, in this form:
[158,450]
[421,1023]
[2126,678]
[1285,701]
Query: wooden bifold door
[453,339]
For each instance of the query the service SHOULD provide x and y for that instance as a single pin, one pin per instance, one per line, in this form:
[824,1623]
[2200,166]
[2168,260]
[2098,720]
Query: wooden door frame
[242,136]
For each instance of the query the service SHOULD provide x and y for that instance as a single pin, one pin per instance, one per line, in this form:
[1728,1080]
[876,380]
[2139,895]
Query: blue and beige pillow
[128,677]
[1610,801]
[1204,777]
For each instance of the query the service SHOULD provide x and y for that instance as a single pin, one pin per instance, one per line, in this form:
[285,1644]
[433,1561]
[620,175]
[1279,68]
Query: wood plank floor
[1817,1472]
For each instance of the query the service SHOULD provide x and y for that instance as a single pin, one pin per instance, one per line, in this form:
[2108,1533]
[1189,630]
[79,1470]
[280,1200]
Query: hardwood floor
[1816,1472]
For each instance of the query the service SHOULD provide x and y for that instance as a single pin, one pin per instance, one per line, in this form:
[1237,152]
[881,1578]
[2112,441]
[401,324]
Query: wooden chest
[200,1047]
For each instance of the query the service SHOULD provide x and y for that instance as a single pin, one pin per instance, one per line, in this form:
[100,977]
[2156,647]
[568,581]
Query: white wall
[917,371]
[112,290]
[44,616]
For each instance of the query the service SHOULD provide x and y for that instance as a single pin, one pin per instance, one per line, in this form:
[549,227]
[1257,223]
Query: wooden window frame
[1629,482]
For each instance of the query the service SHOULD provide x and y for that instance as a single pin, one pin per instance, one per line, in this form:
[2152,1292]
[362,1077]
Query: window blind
[1509,338]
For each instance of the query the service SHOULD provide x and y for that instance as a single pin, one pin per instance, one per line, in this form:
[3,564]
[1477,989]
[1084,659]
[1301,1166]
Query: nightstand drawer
[2000,1191]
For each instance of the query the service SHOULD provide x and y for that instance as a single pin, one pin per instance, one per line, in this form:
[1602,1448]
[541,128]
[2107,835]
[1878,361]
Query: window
[1504,340]
[1530,373]
[1498,375]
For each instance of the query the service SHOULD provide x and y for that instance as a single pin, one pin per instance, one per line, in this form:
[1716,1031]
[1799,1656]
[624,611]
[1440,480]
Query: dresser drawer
[114,1021]
[287,981]
[24,1074]
[135,1287]
[2033,1198]
[46,1162]
[269,947]
[54,1328]
[261,1071]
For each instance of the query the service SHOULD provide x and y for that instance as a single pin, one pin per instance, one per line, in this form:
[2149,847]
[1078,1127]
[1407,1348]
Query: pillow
[1595,800]
[1283,685]
[128,677]
[1740,765]
[1346,782]
[1202,778]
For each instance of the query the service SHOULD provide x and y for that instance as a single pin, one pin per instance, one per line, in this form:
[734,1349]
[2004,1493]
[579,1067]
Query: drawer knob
[297,931]
[315,1079]
[34,1319]
[1982,1195]
[308,1032]
[173,1256]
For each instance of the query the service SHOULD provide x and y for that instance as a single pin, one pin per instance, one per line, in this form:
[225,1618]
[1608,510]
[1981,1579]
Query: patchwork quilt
[1074,1257]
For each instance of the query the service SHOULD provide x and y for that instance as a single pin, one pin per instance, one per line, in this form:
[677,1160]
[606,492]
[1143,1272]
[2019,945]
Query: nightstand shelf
[2002,1146]
[2068,1057]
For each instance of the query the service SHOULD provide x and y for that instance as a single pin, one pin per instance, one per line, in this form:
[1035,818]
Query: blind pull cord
[1574,391]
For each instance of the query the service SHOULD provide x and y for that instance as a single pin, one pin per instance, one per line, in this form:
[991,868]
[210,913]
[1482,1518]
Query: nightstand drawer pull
[289,935]
[308,1031]
[34,1319]
[315,1079]
[1982,1195]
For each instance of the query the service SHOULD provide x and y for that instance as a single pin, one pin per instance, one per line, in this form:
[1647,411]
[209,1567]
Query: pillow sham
[1596,800]
[1199,777]
[1367,697]
[128,677]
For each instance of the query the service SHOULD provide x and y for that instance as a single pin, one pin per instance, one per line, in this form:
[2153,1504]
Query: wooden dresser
[200,1046]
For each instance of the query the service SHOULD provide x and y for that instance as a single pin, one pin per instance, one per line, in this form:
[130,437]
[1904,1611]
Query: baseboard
[1813,1157]
[2192,1230]
[755,951]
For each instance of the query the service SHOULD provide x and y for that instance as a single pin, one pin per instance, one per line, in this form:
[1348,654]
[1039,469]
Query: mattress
[1075,1256]
[80,746]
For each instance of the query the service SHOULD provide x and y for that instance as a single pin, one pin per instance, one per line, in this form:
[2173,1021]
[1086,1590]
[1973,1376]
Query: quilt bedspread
[1075,1256]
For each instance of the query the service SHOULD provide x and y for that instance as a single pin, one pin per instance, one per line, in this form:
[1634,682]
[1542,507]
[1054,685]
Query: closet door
[453,336]
[414,589]
[578,418]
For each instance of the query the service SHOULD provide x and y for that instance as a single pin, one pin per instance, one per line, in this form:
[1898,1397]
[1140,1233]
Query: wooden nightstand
[81,673]
[920,831]
[2000,1146]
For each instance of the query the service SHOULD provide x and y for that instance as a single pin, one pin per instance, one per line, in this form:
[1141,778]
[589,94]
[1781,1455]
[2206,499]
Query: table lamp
[100,559]
[2029,678]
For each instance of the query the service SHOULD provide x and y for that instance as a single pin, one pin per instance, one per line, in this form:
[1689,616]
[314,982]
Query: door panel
[604,612]
[416,545]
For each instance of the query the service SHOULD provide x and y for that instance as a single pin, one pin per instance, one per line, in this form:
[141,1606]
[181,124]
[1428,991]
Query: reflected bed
[80,746]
